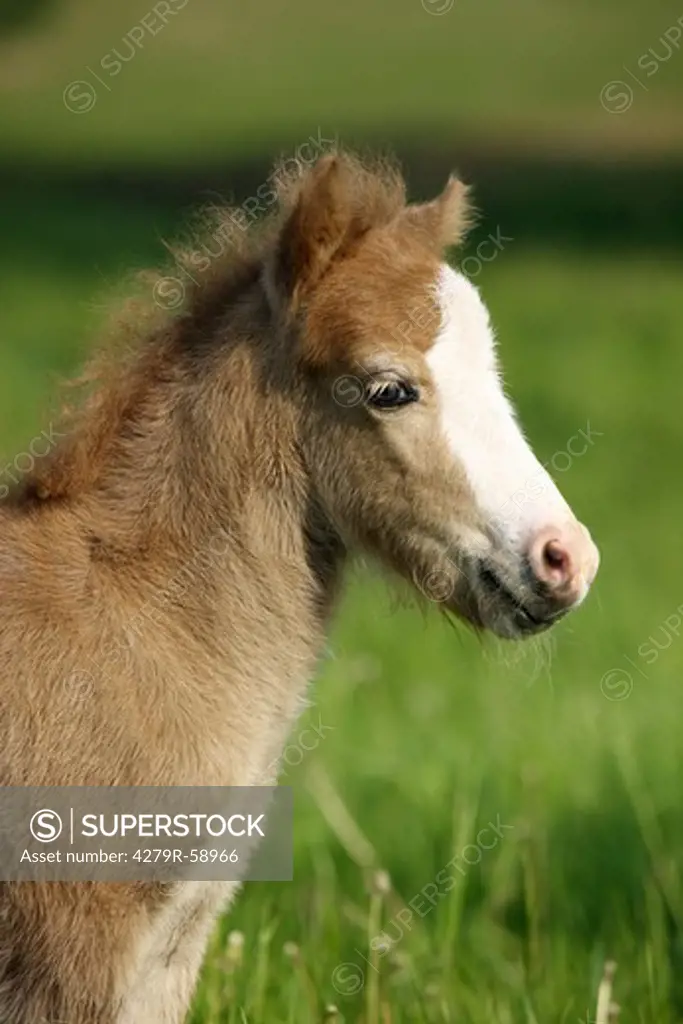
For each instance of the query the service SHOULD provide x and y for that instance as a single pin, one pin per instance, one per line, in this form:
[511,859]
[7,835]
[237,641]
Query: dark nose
[564,560]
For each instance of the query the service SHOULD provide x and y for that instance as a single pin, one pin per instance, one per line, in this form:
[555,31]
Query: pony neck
[206,459]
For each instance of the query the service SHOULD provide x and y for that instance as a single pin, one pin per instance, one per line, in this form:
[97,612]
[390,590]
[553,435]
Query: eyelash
[392,394]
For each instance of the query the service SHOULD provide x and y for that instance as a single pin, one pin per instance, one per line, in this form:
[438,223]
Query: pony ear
[445,220]
[320,224]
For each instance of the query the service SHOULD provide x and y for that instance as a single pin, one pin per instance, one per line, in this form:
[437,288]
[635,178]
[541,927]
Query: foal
[330,386]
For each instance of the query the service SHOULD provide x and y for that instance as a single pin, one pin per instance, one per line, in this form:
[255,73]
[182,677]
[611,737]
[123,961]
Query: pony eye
[391,394]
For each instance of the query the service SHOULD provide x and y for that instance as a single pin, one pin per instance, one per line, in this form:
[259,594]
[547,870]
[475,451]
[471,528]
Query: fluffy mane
[175,317]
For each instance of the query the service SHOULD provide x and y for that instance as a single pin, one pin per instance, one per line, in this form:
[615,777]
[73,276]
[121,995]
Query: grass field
[568,753]
[120,84]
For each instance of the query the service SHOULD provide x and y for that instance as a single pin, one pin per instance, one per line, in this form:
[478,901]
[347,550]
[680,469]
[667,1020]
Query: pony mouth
[504,612]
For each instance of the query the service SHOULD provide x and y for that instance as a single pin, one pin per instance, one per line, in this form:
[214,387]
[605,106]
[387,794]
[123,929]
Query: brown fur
[168,572]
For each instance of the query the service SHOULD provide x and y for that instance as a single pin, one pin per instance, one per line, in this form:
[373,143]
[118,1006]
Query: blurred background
[116,121]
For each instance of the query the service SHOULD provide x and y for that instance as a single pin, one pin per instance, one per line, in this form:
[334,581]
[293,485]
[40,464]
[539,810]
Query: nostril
[551,559]
[563,559]
[556,558]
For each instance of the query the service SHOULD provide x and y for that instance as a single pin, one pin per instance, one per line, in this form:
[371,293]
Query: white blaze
[513,490]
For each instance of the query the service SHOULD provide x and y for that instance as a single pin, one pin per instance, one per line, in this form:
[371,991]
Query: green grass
[429,734]
[225,78]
